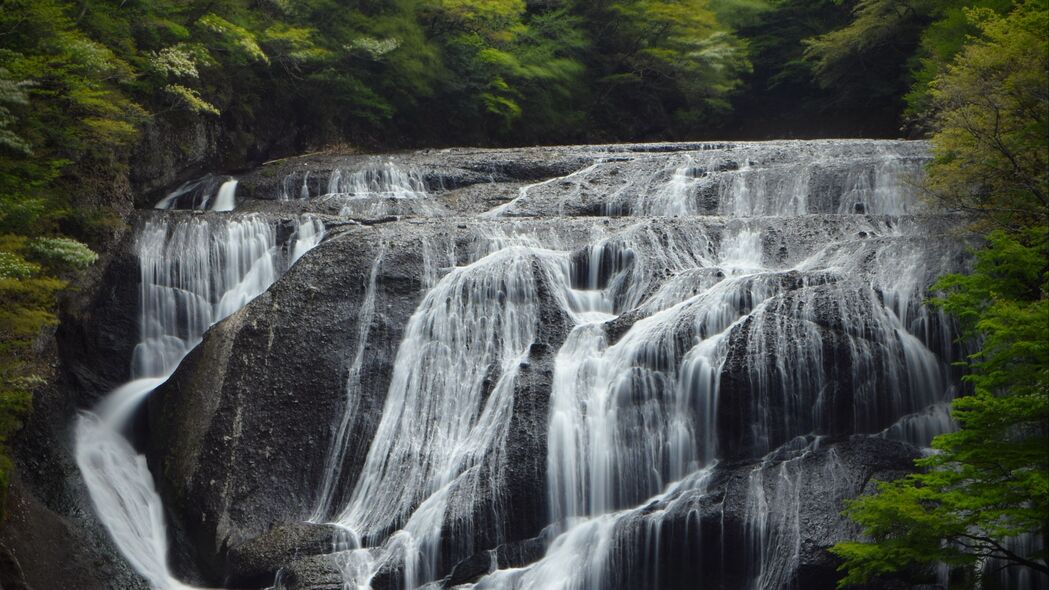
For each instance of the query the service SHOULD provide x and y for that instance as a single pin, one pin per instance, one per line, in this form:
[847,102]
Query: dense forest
[83,81]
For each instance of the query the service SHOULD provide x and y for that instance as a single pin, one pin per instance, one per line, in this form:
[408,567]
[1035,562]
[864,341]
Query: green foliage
[27,293]
[940,43]
[992,102]
[237,41]
[784,96]
[61,253]
[863,62]
[869,56]
[11,93]
[670,64]
[190,99]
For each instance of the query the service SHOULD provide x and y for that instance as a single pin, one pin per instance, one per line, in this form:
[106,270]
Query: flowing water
[636,418]
[193,272]
[712,310]
[210,192]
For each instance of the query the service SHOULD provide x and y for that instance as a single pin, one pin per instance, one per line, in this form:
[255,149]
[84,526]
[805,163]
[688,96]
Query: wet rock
[318,572]
[508,555]
[239,448]
[821,359]
[255,562]
[41,547]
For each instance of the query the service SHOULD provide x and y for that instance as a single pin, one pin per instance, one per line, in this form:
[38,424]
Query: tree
[660,67]
[992,108]
[781,98]
[866,60]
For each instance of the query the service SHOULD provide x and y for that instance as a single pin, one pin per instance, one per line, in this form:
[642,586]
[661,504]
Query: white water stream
[194,273]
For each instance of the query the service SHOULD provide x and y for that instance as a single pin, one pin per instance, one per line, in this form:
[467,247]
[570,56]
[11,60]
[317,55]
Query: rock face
[604,366]
[240,430]
[51,540]
[256,561]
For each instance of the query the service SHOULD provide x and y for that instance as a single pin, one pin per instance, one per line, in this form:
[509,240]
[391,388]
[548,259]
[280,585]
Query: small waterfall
[120,485]
[381,189]
[447,409]
[208,193]
[386,180]
[773,515]
[226,200]
[888,371]
[194,273]
[574,178]
[309,231]
[291,188]
[334,460]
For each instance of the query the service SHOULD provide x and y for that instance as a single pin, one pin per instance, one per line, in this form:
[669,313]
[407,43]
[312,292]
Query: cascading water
[194,272]
[208,193]
[226,199]
[681,355]
[448,407]
[386,180]
[371,189]
[634,418]
[333,463]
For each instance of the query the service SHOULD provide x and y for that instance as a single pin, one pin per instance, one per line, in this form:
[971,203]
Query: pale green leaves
[13,266]
[191,99]
[235,38]
[12,93]
[177,61]
[992,155]
[62,252]
[373,48]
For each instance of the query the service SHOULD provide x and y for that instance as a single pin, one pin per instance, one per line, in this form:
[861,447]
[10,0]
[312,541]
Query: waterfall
[209,192]
[380,189]
[194,272]
[384,180]
[636,428]
[292,187]
[448,406]
[225,200]
[692,337]
[333,462]
[633,422]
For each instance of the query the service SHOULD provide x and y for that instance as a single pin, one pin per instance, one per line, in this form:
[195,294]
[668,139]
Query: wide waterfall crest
[741,180]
